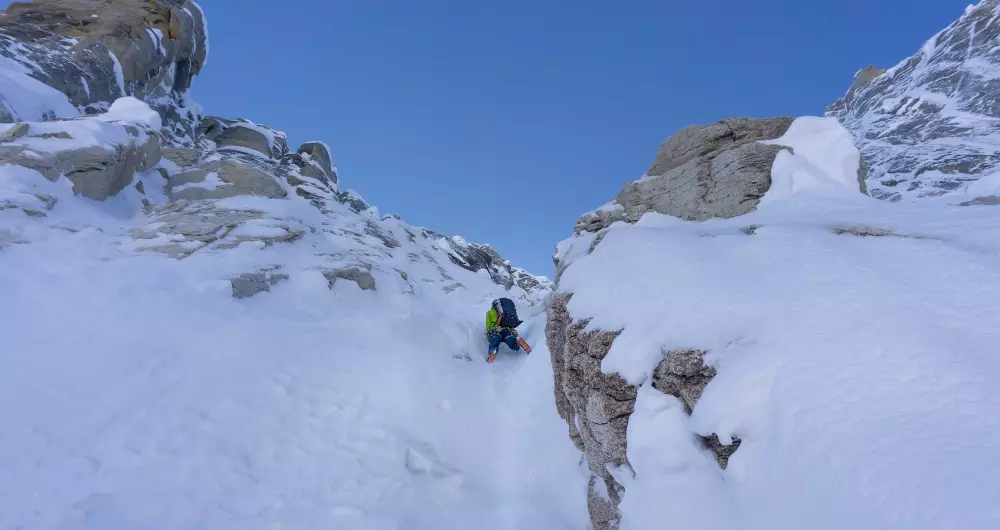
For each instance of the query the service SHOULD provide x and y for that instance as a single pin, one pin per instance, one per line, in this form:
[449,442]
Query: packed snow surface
[136,392]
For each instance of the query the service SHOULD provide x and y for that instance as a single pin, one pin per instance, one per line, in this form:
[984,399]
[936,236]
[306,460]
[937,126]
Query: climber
[501,321]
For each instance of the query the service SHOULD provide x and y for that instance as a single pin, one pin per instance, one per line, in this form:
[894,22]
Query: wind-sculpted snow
[931,125]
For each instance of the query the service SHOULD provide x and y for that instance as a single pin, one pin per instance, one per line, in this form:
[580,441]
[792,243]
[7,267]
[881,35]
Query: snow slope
[136,392]
[855,344]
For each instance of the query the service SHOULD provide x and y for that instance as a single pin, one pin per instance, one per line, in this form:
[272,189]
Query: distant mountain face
[931,125]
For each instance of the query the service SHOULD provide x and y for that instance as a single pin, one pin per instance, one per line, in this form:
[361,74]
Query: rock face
[595,405]
[928,126]
[701,172]
[95,52]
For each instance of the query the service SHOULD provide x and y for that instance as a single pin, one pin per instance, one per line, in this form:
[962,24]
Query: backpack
[506,313]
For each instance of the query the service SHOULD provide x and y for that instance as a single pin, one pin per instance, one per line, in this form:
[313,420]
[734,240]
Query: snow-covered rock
[98,154]
[728,374]
[930,125]
[66,57]
[222,337]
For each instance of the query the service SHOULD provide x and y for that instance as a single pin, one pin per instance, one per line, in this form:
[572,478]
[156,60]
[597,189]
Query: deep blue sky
[504,121]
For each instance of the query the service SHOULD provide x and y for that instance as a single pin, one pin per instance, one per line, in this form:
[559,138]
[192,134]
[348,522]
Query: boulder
[249,284]
[358,275]
[353,201]
[319,153]
[243,134]
[702,172]
[683,373]
[708,141]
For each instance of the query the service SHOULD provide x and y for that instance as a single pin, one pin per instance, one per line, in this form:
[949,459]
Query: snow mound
[133,111]
[823,160]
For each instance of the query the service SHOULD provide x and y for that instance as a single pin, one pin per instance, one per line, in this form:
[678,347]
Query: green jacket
[491,319]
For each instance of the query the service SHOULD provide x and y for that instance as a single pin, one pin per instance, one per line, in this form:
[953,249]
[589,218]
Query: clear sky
[504,121]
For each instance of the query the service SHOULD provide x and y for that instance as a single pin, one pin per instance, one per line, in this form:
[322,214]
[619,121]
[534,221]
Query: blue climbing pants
[504,335]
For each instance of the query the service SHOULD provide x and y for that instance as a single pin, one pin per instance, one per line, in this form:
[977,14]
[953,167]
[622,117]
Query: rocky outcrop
[99,155]
[251,283]
[684,375]
[318,161]
[95,52]
[242,134]
[929,126]
[595,405]
[361,276]
[701,172]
